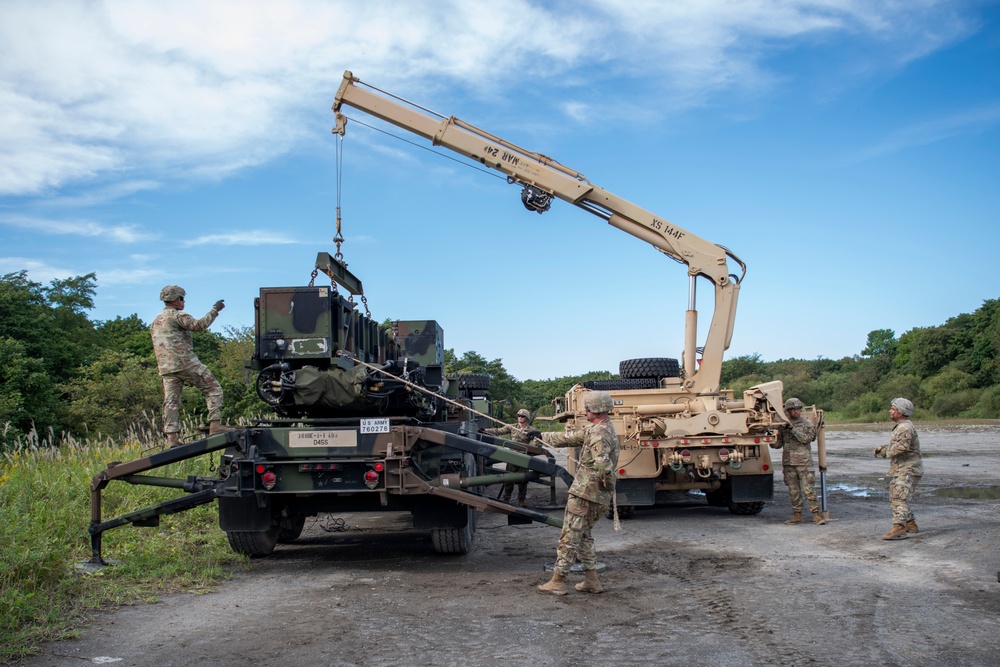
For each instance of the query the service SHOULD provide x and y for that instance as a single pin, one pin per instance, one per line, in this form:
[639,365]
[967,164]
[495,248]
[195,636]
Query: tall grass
[44,517]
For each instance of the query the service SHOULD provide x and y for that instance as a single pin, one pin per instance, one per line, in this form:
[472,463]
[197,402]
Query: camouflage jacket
[598,459]
[903,450]
[794,440]
[172,343]
[516,433]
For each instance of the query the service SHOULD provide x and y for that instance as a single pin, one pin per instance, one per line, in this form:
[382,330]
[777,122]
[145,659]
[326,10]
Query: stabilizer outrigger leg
[203,490]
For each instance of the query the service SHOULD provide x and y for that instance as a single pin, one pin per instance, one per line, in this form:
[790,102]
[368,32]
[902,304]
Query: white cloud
[966,122]
[79,227]
[249,237]
[203,88]
[38,271]
[128,276]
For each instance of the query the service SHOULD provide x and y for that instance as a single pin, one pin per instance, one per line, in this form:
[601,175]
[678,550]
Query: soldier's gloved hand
[219,305]
[878,452]
[532,434]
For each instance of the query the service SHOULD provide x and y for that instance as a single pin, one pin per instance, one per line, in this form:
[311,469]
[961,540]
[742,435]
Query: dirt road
[686,584]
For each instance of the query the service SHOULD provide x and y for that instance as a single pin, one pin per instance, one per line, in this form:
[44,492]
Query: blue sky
[846,150]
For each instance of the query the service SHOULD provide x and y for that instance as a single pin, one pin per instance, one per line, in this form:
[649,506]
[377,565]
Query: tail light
[371,479]
[724,454]
[268,480]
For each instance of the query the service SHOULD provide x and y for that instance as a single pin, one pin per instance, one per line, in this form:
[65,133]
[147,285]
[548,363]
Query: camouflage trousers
[900,490]
[575,541]
[173,383]
[508,487]
[801,479]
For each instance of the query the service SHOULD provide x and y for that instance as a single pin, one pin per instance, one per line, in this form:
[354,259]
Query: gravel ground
[686,584]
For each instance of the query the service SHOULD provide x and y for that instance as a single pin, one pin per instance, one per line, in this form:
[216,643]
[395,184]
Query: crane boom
[543,178]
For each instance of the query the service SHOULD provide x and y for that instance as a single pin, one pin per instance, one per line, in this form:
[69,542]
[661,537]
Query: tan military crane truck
[679,429]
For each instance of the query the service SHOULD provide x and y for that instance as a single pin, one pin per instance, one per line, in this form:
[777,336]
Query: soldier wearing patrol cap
[797,462]
[589,495]
[906,467]
[178,364]
[523,433]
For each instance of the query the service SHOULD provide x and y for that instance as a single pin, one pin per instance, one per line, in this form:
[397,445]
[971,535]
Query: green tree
[503,387]
[240,398]
[925,351]
[113,392]
[742,366]
[881,344]
[28,398]
[948,381]
[130,334]
[51,327]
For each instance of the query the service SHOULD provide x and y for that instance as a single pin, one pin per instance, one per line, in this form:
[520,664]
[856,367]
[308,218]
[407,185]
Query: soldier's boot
[898,532]
[554,586]
[215,427]
[506,498]
[911,526]
[174,440]
[591,584]
[818,518]
[796,518]
[522,502]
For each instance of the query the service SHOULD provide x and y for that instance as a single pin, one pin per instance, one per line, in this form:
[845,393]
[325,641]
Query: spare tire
[654,367]
[613,385]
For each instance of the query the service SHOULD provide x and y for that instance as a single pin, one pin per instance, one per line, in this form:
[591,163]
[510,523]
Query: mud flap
[633,492]
[244,514]
[751,488]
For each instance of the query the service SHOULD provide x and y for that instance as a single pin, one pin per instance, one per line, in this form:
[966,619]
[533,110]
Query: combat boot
[796,518]
[174,440]
[911,526]
[555,586]
[818,518]
[521,502]
[591,584]
[898,532]
[215,427]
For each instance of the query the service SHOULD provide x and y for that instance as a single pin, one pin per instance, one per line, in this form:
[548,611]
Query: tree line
[62,373]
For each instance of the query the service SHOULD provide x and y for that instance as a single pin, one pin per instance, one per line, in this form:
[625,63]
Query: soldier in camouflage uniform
[523,434]
[797,462]
[905,468]
[178,364]
[589,496]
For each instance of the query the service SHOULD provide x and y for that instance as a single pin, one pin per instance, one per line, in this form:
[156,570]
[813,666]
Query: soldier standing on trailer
[178,364]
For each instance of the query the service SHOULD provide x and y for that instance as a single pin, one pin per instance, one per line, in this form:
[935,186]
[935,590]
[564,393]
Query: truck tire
[455,540]
[289,529]
[625,512]
[617,385]
[746,509]
[718,498]
[653,367]
[254,544]
[723,497]
[471,380]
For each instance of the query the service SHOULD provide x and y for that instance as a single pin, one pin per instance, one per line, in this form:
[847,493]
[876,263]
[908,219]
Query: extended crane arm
[542,178]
